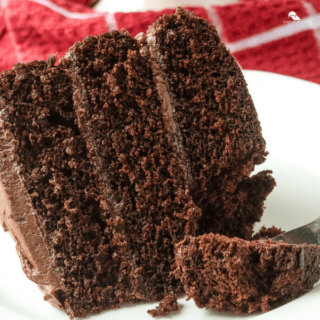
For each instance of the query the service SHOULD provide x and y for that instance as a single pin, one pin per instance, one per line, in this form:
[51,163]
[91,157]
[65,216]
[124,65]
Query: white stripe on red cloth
[3,3]
[66,13]
[286,30]
[215,20]
[111,21]
[311,12]
[310,8]
[11,35]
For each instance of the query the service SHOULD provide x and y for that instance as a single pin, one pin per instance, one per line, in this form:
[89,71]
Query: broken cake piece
[231,274]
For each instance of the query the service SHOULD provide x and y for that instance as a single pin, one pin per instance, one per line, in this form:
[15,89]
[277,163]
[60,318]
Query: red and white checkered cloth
[260,33]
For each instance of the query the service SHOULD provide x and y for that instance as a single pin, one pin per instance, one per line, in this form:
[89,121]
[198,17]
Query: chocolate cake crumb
[166,306]
[265,233]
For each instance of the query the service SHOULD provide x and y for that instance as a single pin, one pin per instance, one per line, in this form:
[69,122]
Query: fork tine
[309,234]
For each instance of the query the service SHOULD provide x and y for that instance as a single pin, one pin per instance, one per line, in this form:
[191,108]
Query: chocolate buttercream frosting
[18,216]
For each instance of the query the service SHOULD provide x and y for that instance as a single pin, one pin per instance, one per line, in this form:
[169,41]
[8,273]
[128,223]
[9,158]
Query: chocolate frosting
[18,216]
[148,49]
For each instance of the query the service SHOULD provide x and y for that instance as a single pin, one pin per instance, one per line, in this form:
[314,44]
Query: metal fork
[309,234]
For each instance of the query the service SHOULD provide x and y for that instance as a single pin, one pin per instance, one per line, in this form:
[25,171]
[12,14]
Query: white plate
[289,111]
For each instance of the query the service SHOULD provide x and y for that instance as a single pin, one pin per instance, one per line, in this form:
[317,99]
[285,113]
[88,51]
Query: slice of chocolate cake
[244,276]
[115,155]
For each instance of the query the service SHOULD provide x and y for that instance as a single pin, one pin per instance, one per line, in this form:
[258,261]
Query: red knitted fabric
[262,35]
[296,55]
[7,50]
[38,31]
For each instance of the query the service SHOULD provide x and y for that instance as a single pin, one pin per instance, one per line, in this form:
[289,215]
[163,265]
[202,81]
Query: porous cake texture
[115,155]
[231,274]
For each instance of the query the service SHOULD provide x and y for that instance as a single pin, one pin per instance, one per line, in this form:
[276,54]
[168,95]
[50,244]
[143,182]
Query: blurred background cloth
[281,36]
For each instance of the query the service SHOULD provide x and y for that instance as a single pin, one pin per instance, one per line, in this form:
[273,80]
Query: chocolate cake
[115,155]
[244,276]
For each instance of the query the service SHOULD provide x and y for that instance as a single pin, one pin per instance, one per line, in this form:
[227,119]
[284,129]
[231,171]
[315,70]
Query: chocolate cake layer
[49,191]
[244,276]
[142,181]
[215,120]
